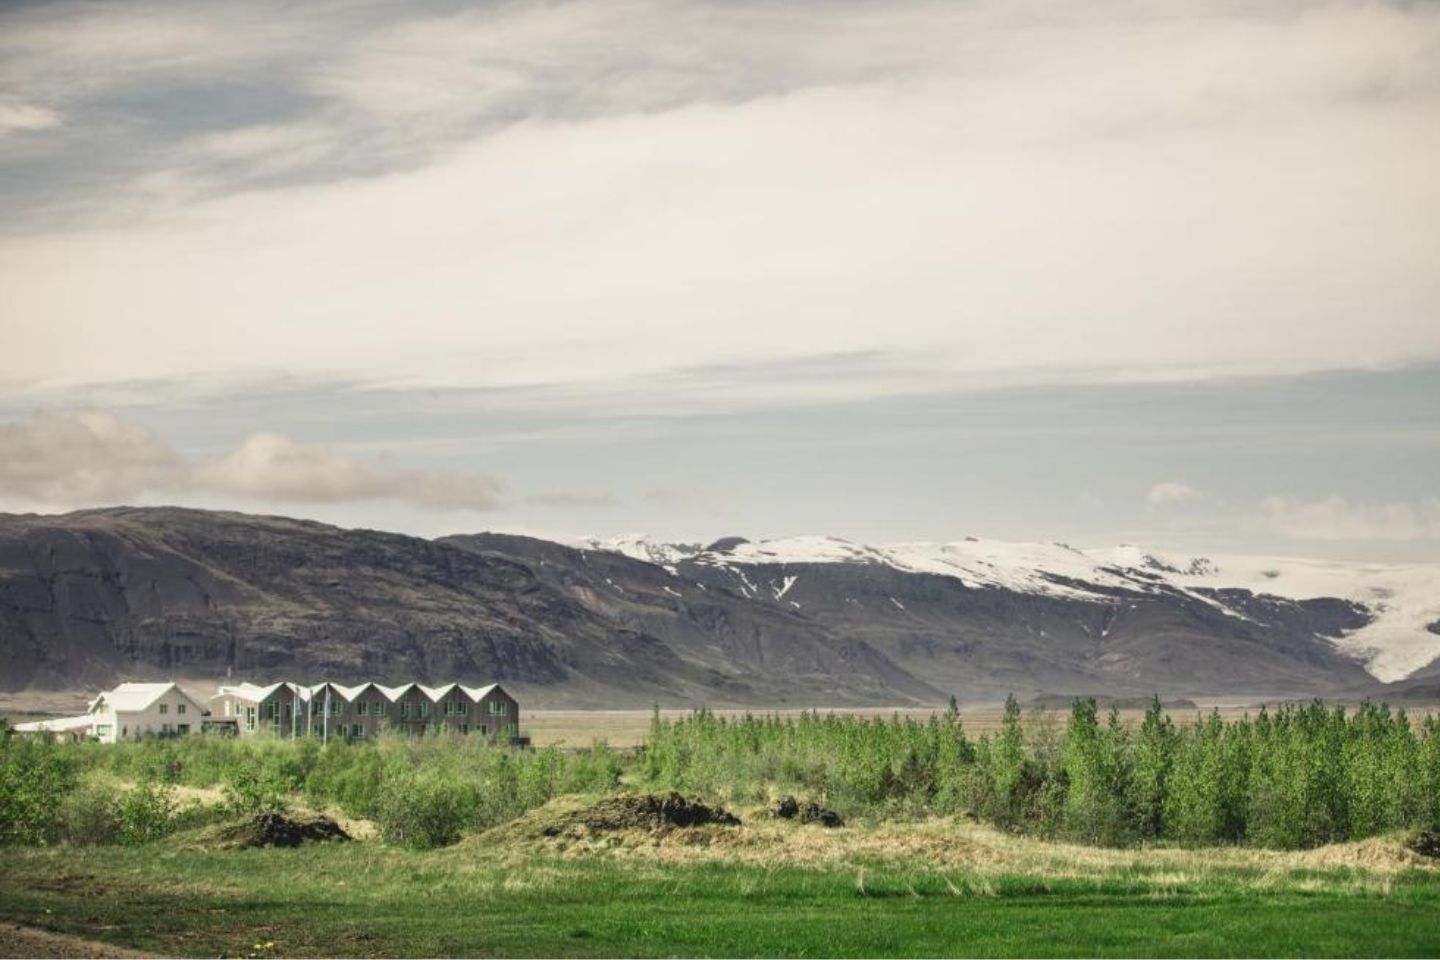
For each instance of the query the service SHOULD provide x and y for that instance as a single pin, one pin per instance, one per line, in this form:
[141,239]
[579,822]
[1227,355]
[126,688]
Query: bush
[425,810]
[100,811]
[90,814]
[36,774]
[148,812]
[254,789]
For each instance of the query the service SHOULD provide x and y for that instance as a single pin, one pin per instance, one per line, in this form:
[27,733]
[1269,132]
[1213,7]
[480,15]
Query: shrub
[255,788]
[148,811]
[425,810]
[90,814]
[36,774]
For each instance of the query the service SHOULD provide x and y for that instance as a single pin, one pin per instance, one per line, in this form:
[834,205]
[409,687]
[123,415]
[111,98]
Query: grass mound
[278,830]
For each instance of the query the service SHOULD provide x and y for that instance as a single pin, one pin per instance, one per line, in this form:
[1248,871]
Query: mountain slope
[1116,617]
[763,646]
[93,596]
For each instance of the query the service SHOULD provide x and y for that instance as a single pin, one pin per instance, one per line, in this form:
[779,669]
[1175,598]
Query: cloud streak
[505,196]
[1170,492]
[81,459]
[1338,519]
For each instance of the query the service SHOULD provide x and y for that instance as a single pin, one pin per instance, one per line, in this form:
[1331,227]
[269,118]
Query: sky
[1161,273]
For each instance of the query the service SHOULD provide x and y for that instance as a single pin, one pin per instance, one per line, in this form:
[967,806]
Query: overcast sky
[1159,272]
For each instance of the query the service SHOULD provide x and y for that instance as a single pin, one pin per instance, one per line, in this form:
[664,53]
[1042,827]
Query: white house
[134,710]
[129,712]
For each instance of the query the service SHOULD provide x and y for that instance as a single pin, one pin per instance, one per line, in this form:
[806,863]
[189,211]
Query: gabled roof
[252,691]
[257,692]
[350,693]
[395,693]
[438,693]
[129,697]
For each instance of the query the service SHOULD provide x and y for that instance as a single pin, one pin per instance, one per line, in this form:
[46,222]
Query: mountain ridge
[1401,602]
[131,593]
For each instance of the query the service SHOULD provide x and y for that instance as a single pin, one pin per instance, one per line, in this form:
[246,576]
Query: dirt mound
[644,811]
[806,811]
[634,816]
[278,830]
[1426,844]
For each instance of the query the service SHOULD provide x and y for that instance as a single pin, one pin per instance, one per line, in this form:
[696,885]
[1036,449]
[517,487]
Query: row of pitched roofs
[256,693]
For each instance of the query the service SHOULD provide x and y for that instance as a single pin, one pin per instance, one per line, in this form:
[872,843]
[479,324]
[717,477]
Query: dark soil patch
[643,811]
[1425,843]
[18,941]
[278,830]
[806,811]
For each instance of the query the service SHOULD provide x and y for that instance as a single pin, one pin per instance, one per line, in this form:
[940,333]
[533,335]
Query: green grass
[365,899]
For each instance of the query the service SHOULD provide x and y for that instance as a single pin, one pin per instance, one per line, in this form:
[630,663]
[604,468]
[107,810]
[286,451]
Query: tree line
[1300,776]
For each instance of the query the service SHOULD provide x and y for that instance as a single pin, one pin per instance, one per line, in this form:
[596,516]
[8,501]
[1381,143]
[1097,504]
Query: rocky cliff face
[94,596]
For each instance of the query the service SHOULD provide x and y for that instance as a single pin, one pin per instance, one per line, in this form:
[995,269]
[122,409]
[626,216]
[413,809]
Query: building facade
[364,711]
[131,711]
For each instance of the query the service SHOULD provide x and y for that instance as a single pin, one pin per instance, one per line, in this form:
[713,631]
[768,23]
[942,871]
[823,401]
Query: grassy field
[939,887]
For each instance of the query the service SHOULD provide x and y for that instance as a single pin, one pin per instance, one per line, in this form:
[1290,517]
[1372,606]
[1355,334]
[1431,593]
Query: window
[182,728]
[424,709]
[499,708]
[249,718]
[334,708]
[357,731]
[464,728]
[404,710]
[103,729]
[377,708]
[164,709]
[360,708]
[180,709]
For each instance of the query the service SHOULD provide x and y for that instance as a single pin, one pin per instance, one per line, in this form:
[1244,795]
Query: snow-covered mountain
[1397,606]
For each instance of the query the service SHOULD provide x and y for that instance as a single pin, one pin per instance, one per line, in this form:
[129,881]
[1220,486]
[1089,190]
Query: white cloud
[1035,190]
[81,459]
[22,117]
[1170,492]
[1337,519]
[268,466]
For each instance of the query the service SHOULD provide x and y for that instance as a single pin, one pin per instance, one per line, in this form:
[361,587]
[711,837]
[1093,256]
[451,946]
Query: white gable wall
[173,713]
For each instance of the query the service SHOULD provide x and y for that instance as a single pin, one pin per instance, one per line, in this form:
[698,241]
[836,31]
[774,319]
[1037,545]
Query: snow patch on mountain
[1402,600]
[639,546]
